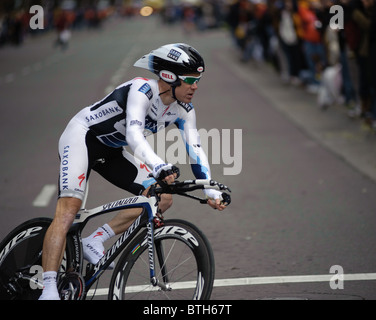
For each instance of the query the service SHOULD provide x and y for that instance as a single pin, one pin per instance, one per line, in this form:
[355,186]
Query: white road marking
[251,281]
[44,197]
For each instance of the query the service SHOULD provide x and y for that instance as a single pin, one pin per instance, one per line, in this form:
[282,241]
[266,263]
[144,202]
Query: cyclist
[95,139]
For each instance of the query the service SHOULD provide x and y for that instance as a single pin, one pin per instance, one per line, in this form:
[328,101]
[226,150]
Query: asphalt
[303,200]
[349,138]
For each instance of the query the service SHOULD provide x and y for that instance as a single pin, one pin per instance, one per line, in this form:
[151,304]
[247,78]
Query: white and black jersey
[124,118]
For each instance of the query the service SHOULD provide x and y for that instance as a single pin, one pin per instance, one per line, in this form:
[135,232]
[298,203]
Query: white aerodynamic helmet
[172,60]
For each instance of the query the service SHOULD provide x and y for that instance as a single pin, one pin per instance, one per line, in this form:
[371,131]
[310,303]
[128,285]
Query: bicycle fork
[159,250]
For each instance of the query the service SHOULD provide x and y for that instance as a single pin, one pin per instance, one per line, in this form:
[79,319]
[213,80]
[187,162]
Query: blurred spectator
[314,54]
[312,42]
[344,37]
[189,17]
[264,29]
[320,57]
[289,39]
[12,27]
[373,63]
[194,15]
[241,20]
[232,20]
[362,15]
[3,29]
[17,29]
[62,24]
[92,17]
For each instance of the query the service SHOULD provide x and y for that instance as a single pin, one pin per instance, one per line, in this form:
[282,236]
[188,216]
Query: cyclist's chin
[187,99]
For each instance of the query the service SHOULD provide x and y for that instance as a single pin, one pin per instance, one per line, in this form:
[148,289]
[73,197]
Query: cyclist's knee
[166,202]
[66,211]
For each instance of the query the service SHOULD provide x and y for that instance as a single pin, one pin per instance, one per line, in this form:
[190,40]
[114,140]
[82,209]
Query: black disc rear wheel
[21,260]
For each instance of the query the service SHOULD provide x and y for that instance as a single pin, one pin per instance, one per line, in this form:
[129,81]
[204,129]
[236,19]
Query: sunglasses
[190,80]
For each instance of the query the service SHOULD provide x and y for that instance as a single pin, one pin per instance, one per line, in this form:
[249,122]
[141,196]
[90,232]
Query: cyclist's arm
[199,161]
[137,106]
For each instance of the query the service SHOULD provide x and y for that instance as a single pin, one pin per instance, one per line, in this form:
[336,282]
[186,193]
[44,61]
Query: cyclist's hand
[215,199]
[165,172]
[169,179]
[216,204]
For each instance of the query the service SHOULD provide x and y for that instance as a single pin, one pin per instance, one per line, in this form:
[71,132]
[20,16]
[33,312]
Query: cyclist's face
[185,91]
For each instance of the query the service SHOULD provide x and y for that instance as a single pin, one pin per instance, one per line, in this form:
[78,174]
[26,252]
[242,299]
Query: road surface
[303,181]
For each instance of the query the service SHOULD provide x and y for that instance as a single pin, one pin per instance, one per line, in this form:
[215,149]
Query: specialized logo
[150,245]
[143,166]
[95,251]
[82,178]
[174,55]
[120,203]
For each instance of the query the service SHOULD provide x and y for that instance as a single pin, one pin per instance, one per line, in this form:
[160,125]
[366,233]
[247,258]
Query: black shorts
[80,152]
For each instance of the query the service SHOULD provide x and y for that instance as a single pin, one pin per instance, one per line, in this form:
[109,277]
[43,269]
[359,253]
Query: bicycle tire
[131,280]
[20,250]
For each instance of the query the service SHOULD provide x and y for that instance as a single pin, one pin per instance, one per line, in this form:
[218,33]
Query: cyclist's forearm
[142,149]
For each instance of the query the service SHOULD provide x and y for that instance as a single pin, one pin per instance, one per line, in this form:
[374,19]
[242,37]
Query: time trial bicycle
[161,259]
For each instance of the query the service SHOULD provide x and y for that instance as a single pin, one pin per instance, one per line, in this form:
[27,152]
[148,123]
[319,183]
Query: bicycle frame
[145,219]
[148,218]
[25,260]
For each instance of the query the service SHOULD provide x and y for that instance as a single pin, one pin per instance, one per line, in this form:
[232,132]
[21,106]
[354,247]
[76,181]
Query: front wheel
[184,265]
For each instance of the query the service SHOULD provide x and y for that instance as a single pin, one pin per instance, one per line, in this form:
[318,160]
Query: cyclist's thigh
[116,168]
[73,161]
